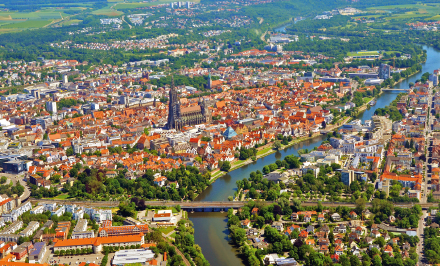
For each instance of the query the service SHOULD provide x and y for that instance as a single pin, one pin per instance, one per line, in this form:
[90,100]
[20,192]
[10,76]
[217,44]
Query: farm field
[428,11]
[37,15]
[16,21]
[27,24]
[108,11]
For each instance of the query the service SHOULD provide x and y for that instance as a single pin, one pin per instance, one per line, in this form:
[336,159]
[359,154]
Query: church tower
[209,81]
[174,107]
[205,110]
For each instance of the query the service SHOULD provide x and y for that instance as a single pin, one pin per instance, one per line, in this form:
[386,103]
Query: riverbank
[268,150]
[211,228]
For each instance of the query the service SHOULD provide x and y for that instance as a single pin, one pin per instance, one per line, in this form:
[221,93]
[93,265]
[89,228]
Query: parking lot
[77,259]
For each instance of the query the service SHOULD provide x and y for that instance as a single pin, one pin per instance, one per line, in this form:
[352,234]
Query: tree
[226,166]
[379,241]
[377,261]
[319,208]
[238,235]
[360,205]
[266,170]
[296,205]
[354,261]
[277,145]
[69,151]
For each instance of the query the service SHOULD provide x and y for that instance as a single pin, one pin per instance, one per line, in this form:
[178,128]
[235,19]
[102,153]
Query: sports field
[360,53]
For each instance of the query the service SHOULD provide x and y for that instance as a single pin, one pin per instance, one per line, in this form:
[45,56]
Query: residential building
[37,253]
[98,243]
[30,229]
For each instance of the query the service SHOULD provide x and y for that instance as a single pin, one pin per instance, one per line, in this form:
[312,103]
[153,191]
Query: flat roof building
[132,256]
[37,253]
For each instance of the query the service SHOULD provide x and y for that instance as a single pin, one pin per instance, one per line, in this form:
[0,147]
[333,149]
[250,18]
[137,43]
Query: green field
[108,11]
[363,53]
[167,230]
[62,196]
[30,24]
[428,11]
[367,99]
[16,21]
[122,6]
[41,14]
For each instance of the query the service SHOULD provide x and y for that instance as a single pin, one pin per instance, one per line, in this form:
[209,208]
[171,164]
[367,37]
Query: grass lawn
[367,99]
[263,151]
[234,164]
[167,230]
[62,196]
[173,235]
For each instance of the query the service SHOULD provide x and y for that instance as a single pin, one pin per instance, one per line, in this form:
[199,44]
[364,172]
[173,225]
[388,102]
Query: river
[210,228]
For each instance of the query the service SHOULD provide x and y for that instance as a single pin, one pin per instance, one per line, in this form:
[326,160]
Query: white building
[163,216]
[59,211]
[133,256]
[49,206]
[37,210]
[30,229]
[17,212]
[51,107]
[80,230]
[99,215]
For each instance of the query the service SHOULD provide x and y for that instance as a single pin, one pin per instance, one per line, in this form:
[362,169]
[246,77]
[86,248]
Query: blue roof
[37,248]
[229,133]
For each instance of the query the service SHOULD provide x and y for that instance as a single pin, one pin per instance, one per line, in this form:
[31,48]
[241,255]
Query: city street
[420,234]
[427,167]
